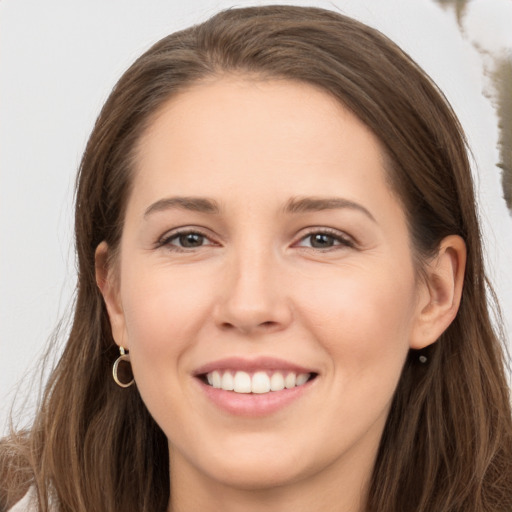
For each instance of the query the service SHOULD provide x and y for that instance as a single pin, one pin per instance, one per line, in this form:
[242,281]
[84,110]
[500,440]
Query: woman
[276,233]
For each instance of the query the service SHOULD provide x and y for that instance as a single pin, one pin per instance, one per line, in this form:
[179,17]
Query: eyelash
[343,241]
[340,240]
[166,240]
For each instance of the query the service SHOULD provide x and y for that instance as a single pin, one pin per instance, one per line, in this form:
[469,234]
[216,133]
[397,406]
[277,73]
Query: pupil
[321,240]
[191,240]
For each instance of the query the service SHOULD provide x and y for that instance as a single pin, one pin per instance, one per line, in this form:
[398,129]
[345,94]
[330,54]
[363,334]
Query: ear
[440,293]
[108,283]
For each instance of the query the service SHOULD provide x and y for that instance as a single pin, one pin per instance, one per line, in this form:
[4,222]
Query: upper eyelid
[176,232]
[328,231]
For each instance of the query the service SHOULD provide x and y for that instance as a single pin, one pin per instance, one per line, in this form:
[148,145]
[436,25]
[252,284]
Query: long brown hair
[447,445]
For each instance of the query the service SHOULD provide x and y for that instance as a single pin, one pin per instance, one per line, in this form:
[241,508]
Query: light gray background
[60,58]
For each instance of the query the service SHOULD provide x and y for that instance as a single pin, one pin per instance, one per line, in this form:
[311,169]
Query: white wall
[60,58]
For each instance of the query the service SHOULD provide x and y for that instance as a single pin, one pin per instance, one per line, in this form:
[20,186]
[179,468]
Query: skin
[256,284]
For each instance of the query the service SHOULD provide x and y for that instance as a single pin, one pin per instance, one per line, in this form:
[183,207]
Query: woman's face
[264,250]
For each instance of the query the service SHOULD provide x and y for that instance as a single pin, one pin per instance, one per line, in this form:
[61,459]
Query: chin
[251,469]
[256,476]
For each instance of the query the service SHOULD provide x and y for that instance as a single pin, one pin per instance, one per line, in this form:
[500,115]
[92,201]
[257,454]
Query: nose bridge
[253,296]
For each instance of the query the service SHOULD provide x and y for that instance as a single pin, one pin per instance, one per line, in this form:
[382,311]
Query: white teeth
[277,382]
[302,378]
[242,383]
[216,379]
[227,383]
[260,382]
[289,381]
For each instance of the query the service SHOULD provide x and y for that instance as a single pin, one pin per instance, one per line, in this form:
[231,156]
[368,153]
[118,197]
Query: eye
[325,239]
[190,240]
[185,240]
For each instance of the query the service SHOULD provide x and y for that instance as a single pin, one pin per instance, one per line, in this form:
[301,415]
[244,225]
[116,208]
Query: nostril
[268,325]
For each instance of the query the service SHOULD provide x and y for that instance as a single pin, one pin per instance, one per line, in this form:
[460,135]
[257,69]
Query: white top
[27,504]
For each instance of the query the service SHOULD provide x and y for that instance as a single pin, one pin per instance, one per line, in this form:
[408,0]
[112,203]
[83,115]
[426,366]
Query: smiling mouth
[259,382]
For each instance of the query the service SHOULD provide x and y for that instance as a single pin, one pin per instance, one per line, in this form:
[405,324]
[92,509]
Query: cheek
[363,324]
[362,317]
[163,314]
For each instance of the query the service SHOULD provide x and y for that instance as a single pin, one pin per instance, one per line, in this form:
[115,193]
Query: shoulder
[27,504]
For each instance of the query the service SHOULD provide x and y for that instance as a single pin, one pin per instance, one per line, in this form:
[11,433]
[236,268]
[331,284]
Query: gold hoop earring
[123,357]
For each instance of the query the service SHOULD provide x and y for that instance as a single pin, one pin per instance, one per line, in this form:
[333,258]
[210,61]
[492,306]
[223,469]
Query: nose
[253,297]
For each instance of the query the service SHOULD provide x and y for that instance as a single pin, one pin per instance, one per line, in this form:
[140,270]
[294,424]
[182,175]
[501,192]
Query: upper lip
[251,365]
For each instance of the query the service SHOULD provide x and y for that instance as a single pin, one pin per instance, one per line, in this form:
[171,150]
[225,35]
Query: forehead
[253,138]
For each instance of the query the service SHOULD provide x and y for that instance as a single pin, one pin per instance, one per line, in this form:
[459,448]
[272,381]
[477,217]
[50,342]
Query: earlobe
[441,292]
[108,285]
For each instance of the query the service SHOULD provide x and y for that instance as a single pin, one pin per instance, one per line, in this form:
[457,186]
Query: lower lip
[254,404]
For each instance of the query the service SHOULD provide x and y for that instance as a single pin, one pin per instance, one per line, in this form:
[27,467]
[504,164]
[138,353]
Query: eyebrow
[195,204]
[313,204]
[293,205]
